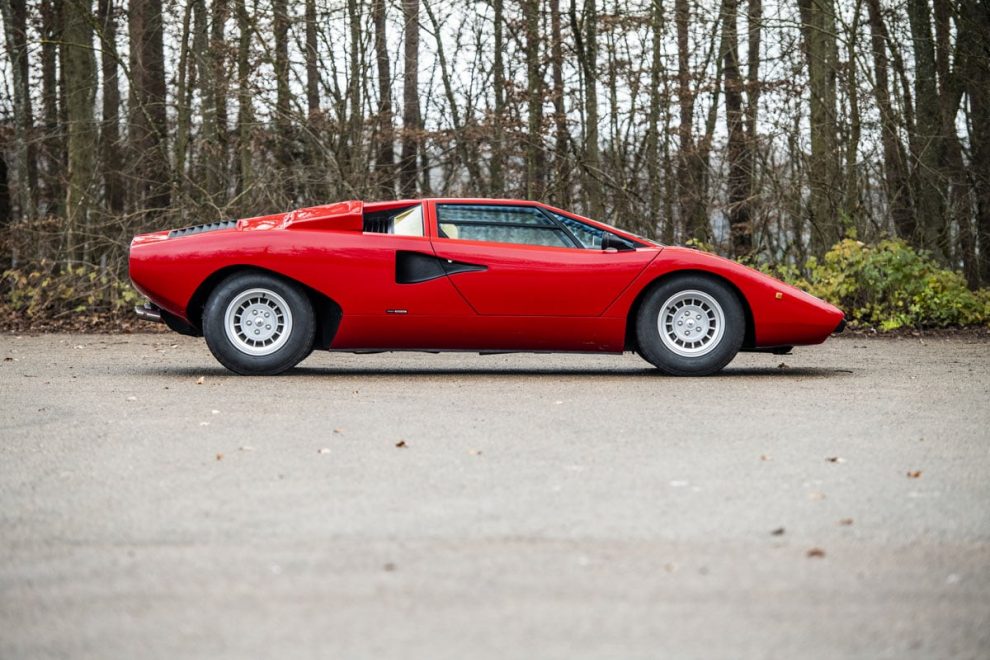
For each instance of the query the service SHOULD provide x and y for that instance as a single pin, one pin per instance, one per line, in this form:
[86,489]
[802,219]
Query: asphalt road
[465,506]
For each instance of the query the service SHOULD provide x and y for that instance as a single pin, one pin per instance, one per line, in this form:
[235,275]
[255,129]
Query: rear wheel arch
[749,338]
[328,313]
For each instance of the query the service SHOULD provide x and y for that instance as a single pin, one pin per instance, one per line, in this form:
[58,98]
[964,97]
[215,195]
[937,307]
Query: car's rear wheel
[690,325]
[258,324]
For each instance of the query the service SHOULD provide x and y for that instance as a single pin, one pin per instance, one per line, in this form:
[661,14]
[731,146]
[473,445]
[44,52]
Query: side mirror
[616,243]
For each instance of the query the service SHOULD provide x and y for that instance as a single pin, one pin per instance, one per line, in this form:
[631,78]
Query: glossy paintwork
[529,298]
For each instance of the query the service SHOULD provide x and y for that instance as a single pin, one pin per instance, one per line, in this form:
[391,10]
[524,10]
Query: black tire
[709,350]
[248,355]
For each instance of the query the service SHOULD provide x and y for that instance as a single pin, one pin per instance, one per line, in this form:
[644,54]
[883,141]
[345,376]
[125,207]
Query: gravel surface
[834,503]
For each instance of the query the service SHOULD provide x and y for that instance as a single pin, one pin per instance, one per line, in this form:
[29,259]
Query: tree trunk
[561,159]
[535,157]
[312,62]
[740,230]
[213,83]
[283,100]
[852,204]
[245,115]
[183,120]
[928,150]
[385,156]
[974,35]
[112,161]
[410,99]
[147,131]
[496,171]
[25,164]
[894,157]
[53,144]
[824,170]
[586,42]
[654,184]
[690,168]
[355,143]
[80,94]
[5,206]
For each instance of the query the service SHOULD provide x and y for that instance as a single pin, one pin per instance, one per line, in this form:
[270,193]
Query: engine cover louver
[199,229]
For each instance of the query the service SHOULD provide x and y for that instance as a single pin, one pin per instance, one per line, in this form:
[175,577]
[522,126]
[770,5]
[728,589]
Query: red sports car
[460,275]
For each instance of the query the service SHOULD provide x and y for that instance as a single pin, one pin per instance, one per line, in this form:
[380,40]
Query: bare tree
[14,12]
[535,157]
[110,152]
[496,170]
[245,114]
[80,94]
[385,154]
[824,170]
[586,44]
[147,130]
[283,95]
[410,99]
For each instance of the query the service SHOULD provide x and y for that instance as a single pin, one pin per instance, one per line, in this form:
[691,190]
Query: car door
[520,260]
[390,286]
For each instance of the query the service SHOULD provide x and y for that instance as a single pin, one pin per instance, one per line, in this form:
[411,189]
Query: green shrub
[889,285]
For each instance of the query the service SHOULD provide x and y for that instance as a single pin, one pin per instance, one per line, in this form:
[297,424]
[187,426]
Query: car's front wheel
[257,324]
[690,325]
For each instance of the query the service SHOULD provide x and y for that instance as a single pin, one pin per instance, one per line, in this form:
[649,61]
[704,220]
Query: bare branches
[763,130]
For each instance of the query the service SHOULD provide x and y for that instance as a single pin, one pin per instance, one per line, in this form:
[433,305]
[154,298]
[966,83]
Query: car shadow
[510,372]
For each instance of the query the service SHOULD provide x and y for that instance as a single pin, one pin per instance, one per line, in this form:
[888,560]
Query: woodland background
[767,130]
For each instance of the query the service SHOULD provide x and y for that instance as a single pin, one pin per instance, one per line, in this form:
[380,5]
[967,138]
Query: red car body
[509,297]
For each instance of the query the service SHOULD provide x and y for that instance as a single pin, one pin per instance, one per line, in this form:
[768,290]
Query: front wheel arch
[749,337]
[328,312]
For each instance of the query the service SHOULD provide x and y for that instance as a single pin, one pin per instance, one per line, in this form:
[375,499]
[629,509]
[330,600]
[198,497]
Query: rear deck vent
[199,229]
[380,222]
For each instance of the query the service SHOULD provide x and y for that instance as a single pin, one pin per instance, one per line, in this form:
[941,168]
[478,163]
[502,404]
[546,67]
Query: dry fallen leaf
[835,459]
[339,431]
[201,380]
[8,359]
[766,457]
[816,552]
[914,474]
[783,365]
[219,456]
[474,452]
[400,444]
[778,532]
[323,450]
[845,522]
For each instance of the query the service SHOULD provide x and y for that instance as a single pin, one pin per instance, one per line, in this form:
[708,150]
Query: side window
[588,236]
[500,224]
[404,221]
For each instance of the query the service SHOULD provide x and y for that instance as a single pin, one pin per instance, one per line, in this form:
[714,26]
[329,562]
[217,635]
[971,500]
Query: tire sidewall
[652,347]
[301,337]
